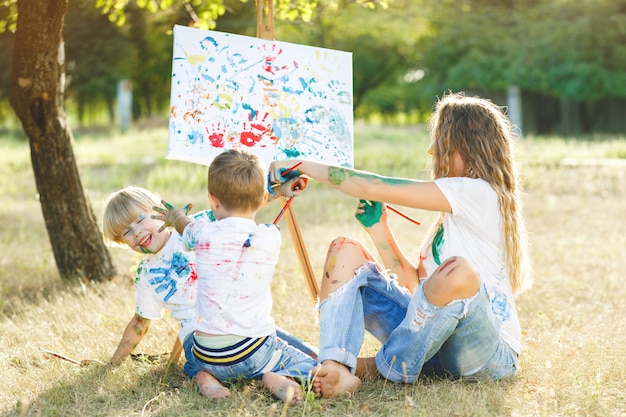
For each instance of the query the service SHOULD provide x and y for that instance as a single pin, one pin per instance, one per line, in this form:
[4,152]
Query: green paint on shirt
[437,244]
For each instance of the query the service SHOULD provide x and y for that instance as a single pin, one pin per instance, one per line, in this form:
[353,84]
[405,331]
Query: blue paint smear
[208,78]
[314,114]
[249,108]
[208,40]
[165,278]
[303,83]
[194,137]
[277,130]
[292,153]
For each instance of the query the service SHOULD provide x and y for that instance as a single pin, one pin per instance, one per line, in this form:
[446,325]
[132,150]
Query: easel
[266,31]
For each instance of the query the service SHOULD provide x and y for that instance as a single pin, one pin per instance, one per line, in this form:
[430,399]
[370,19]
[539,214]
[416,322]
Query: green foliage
[566,51]
[572,49]
[8,15]
[578,56]
[95,56]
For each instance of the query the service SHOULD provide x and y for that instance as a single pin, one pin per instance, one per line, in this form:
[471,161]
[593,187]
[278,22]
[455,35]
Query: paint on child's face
[132,226]
[143,235]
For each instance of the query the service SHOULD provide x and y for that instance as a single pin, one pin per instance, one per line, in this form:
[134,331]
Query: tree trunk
[37,84]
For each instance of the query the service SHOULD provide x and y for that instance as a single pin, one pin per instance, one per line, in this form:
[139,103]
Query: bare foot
[211,387]
[283,388]
[332,379]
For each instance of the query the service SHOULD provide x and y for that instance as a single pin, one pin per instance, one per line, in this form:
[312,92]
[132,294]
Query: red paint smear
[216,138]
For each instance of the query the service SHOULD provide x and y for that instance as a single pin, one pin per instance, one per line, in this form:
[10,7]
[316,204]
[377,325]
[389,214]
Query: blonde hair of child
[238,179]
[482,135]
[123,207]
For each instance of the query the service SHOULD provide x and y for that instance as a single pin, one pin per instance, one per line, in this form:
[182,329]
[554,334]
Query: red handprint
[255,129]
[216,136]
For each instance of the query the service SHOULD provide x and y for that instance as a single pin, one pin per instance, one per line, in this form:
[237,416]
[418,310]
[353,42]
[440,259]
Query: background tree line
[567,57]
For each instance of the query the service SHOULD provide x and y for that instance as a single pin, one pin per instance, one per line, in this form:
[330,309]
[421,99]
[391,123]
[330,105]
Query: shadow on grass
[135,389]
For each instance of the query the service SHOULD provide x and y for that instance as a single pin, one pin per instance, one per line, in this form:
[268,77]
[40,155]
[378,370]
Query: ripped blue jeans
[458,340]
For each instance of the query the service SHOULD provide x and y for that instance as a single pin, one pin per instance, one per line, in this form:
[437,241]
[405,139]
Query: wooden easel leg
[174,357]
[303,257]
[265,30]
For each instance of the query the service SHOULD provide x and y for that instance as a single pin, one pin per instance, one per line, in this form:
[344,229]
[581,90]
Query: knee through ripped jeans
[460,340]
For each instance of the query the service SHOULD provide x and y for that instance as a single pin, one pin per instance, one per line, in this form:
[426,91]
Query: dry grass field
[573,319]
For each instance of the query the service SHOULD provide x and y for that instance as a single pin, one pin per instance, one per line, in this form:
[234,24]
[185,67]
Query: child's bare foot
[283,388]
[332,379]
[211,387]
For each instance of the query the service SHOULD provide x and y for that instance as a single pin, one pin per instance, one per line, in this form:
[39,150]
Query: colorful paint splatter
[281,100]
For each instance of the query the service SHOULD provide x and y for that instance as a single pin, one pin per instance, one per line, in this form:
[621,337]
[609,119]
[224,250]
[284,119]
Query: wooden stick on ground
[174,357]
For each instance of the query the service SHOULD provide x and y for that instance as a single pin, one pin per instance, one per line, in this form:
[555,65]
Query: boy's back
[235,262]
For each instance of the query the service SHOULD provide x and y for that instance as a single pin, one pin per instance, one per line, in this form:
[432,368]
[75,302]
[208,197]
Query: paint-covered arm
[135,330]
[424,195]
[373,217]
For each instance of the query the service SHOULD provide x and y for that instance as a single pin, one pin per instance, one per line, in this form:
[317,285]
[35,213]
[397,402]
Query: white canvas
[280,100]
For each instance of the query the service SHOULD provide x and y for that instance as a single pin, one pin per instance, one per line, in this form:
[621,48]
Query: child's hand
[368,213]
[169,214]
[290,188]
[282,171]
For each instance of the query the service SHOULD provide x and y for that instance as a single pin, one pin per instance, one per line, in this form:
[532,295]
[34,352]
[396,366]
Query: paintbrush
[401,214]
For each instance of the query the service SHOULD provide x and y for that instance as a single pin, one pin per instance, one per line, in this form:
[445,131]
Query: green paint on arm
[336,175]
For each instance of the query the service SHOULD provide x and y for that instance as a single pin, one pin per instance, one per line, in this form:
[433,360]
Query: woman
[452,313]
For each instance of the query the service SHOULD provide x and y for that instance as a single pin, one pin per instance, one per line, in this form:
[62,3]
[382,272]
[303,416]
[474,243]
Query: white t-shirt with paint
[235,264]
[167,280]
[474,230]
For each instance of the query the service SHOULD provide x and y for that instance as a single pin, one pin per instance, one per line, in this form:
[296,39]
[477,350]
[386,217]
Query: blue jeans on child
[295,359]
[458,340]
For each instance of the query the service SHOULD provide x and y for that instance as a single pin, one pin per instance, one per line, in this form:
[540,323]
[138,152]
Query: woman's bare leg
[344,257]
[366,368]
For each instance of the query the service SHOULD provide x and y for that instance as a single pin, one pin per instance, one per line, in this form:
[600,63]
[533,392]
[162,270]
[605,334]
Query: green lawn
[573,363]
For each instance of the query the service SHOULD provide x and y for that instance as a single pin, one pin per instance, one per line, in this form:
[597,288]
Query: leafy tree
[573,49]
[96,52]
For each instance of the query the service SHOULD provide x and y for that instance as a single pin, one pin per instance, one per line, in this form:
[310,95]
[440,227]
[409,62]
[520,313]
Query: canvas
[280,100]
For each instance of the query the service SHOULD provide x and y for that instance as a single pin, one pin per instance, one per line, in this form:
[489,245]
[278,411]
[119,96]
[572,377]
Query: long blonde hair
[482,135]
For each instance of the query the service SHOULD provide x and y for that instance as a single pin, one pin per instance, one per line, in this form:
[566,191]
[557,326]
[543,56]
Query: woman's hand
[283,171]
[369,213]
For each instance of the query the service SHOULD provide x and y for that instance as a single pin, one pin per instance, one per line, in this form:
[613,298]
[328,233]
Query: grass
[573,363]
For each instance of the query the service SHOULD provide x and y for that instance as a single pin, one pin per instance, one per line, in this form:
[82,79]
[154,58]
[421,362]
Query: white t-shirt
[235,263]
[474,231]
[167,279]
